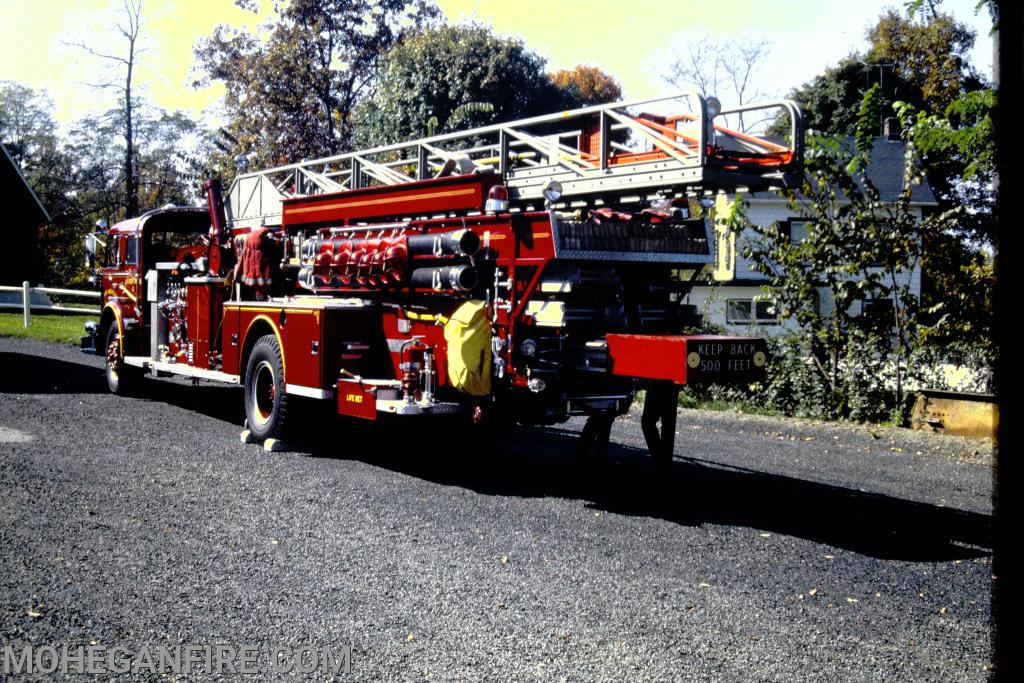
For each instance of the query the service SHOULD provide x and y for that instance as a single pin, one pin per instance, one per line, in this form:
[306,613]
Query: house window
[798,229]
[751,312]
[876,307]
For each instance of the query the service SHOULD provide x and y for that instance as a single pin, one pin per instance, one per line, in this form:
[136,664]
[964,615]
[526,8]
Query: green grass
[62,329]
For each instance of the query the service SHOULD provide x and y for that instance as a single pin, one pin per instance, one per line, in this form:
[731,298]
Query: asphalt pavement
[775,549]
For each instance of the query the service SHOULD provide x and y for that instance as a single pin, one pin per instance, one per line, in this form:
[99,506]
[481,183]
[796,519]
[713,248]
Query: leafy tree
[859,246]
[958,148]
[434,72]
[28,131]
[930,57]
[26,125]
[957,151]
[921,62]
[831,100]
[584,85]
[79,178]
[932,7]
[292,95]
[454,121]
[954,142]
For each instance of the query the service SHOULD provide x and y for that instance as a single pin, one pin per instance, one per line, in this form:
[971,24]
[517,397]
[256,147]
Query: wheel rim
[114,357]
[263,393]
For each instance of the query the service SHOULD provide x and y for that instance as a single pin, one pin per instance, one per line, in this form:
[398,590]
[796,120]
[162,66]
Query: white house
[741,305]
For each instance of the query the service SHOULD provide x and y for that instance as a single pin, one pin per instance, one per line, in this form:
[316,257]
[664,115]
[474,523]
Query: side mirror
[92,245]
[90,251]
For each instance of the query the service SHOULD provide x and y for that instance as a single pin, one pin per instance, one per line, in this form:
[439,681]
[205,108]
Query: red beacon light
[497,199]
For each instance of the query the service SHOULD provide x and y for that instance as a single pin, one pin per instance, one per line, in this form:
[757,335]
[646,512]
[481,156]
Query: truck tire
[121,379]
[266,403]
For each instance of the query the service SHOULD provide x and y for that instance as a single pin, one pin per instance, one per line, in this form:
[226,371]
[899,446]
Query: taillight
[497,199]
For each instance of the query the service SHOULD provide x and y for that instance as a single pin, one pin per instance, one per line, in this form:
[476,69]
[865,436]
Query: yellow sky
[629,38]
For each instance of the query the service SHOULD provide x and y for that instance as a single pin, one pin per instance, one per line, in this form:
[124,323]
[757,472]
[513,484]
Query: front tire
[121,378]
[266,403]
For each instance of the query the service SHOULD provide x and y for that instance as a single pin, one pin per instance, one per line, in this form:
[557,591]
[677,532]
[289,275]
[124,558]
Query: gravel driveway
[775,550]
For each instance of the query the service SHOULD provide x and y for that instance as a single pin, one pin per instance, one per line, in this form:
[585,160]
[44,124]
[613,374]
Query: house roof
[11,176]
[885,171]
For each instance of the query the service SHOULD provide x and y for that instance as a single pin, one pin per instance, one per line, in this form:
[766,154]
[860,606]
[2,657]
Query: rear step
[181,369]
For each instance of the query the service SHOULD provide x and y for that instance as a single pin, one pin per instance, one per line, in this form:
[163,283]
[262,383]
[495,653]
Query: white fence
[27,305]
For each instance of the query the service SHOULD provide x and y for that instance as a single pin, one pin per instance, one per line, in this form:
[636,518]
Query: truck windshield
[169,245]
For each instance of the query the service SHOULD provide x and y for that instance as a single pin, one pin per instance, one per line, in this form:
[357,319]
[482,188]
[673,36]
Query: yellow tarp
[468,333]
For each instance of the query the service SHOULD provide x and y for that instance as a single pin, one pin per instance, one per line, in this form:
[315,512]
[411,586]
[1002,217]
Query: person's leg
[587,437]
[669,404]
[603,434]
[649,420]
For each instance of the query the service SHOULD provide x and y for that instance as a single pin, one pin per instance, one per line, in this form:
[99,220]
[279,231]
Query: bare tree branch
[97,53]
[712,67]
[129,30]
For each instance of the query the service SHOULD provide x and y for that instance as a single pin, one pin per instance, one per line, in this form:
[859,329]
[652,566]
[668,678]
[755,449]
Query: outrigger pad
[688,359]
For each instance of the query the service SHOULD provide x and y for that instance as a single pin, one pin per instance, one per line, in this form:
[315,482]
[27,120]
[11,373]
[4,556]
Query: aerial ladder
[583,150]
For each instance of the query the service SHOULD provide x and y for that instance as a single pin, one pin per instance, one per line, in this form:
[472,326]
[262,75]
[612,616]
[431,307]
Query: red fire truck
[531,270]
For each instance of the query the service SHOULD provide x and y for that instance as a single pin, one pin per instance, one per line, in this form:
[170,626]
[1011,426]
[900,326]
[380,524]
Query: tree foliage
[947,118]
[25,121]
[291,95]
[929,58]
[585,84]
[959,149]
[435,72]
[830,101]
[923,62]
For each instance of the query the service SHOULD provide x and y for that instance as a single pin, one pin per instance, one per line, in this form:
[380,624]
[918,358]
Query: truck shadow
[24,373]
[537,462]
[219,401]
